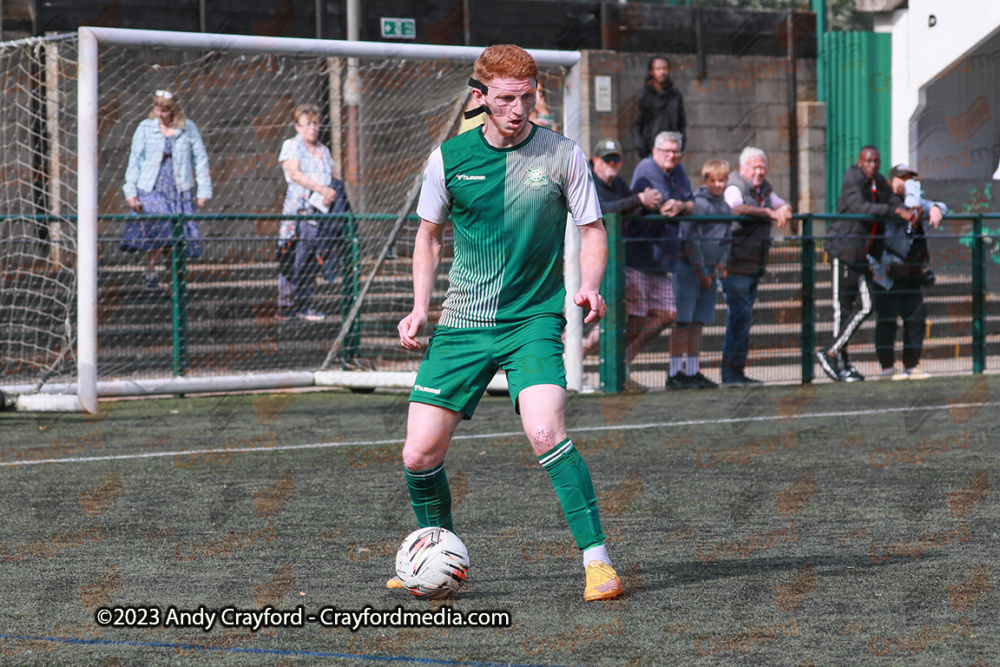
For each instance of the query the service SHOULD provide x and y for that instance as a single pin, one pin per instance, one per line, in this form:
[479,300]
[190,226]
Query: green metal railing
[350,267]
[612,363]
[980,241]
[612,343]
[978,296]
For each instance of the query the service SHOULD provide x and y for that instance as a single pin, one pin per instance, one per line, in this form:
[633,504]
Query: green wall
[857,67]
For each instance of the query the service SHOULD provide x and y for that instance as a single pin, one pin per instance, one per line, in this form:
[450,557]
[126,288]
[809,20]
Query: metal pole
[319,47]
[819,7]
[353,20]
[178,283]
[793,117]
[612,345]
[86,263]
[978,296]
[352,109]
[572,109]
[808,298]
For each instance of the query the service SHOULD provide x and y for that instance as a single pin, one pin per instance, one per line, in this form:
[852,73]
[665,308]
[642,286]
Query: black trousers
[905,300]
[852,302]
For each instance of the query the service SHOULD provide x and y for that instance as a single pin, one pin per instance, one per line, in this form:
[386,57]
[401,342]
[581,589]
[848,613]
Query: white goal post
[92,112]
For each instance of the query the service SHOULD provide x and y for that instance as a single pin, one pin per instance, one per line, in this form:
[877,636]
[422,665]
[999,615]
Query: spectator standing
[749,194]
[612,190]
[615,196]
[660,109]
[166,162]
[902,273]
[704,250]
[849,243]
[310,172]
[651,247]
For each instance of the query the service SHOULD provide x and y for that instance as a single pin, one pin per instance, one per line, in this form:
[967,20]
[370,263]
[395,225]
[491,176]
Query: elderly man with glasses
[651,247]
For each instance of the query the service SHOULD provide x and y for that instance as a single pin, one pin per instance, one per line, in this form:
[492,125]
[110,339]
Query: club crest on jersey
[536,176]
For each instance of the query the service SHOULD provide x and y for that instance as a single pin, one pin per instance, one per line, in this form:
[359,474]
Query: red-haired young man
[507,188]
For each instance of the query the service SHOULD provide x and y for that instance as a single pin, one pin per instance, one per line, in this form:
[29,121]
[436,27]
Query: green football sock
[430,497]
[575,491]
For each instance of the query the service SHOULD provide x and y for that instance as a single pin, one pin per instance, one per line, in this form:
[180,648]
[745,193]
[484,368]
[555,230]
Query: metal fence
[217,313]
[793,316]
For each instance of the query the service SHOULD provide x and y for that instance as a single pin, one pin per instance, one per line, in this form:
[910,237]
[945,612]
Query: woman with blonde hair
[166,162]
[313,187]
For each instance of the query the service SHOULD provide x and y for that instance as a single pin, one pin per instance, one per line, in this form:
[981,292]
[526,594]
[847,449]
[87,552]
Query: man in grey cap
[612,190]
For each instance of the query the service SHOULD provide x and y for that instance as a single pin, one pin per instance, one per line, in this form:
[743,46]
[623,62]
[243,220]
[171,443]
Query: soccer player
[508,188]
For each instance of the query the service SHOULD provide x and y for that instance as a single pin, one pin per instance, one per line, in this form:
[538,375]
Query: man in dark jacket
[612,190]
[616,197]
[849,242]
[749,194]
[661,108]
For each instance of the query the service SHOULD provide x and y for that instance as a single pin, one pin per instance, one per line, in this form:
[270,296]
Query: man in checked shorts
[507,187]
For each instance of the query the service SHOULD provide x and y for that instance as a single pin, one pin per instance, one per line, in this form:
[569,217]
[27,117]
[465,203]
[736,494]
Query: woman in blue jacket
[167,161]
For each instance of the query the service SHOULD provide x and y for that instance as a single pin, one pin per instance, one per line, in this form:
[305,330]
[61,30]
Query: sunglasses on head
[164,94]
[612,159]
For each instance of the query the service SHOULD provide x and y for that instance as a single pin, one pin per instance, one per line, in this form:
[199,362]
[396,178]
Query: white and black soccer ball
[432,563]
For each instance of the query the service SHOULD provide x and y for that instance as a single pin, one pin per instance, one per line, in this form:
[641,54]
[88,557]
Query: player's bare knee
[422,455]
[544,438]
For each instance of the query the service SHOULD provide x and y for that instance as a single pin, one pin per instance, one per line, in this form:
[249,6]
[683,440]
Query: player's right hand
[133,203]
[409,327]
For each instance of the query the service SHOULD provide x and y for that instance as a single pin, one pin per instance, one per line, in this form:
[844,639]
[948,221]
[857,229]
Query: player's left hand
[592,300]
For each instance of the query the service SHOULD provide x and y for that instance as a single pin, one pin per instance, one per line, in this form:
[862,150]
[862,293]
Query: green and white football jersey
[508,208]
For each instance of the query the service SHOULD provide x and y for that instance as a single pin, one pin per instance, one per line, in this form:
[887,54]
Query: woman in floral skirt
[167,161]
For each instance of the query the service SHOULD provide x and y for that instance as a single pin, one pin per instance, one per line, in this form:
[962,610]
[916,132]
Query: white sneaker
[917,373]
[901,375]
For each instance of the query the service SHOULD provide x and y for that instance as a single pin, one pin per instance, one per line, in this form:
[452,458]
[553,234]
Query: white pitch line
[368,443]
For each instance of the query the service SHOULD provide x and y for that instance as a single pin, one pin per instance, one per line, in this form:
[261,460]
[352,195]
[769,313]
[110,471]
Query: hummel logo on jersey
[468,177]
[429,390]
[536,176]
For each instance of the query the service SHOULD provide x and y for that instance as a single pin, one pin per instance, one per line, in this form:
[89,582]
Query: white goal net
[212,307]
[37,228]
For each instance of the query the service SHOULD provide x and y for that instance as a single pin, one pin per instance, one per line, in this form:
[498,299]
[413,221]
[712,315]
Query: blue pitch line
[271,651]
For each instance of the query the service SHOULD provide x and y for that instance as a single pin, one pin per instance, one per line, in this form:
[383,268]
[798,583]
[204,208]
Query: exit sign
[399,28]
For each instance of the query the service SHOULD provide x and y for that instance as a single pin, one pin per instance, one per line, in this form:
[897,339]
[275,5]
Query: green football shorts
[459,363]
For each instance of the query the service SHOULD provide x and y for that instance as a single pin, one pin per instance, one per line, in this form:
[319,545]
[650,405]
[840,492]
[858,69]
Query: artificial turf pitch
[815,525]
